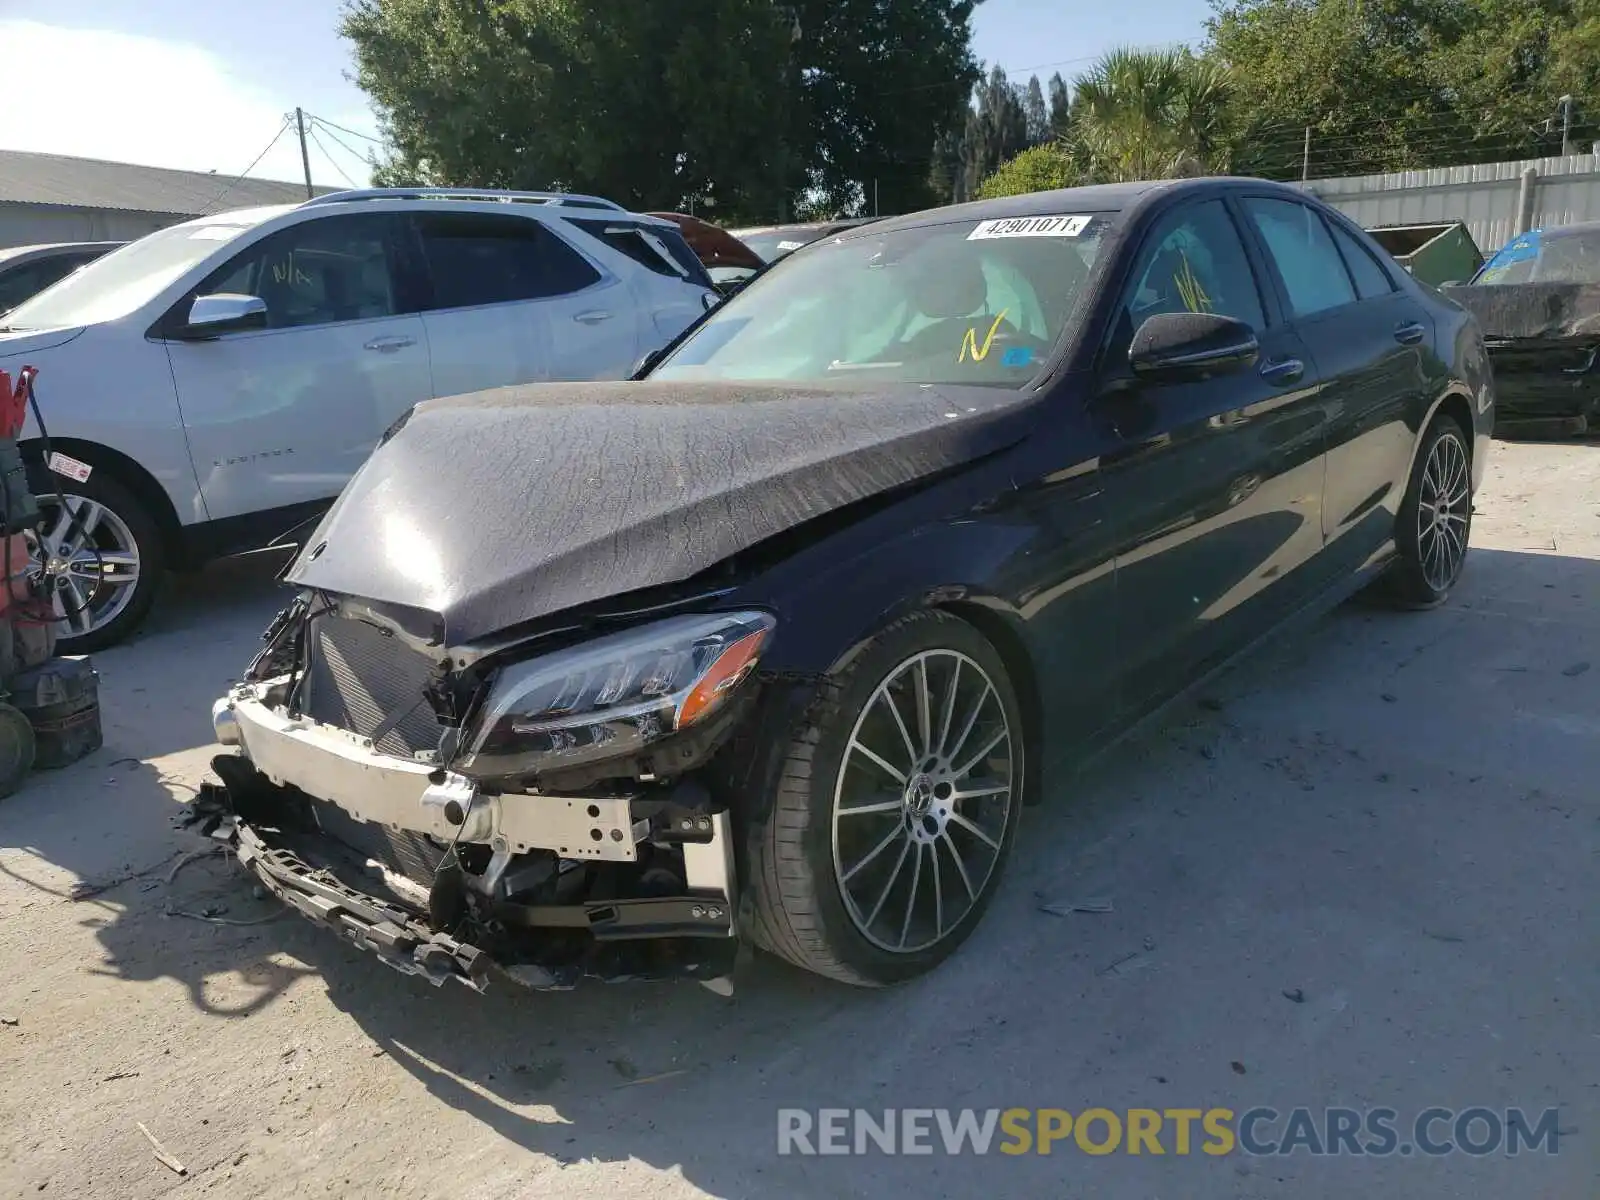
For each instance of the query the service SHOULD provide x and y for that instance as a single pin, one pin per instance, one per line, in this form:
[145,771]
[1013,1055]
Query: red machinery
[49,706]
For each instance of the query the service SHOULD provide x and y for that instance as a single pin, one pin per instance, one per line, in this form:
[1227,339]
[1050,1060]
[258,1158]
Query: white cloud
[102,94]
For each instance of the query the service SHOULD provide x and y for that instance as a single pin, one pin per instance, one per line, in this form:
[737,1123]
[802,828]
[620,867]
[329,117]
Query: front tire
[897,806]
[103,573]
[1435,521]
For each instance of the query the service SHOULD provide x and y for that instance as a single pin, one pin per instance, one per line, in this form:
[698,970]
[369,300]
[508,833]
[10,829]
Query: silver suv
[211,387]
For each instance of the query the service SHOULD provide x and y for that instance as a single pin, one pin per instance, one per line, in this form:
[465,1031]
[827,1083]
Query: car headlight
[613,696]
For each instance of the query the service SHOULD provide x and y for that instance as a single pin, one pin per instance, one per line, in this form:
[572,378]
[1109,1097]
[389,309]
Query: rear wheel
[896,809]
[1435,519]
[101,558]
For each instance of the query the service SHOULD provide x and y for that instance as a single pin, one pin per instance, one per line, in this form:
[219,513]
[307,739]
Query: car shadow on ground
[1225,835]
[102,829]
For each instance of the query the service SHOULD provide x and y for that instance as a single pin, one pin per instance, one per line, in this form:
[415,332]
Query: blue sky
[204,84]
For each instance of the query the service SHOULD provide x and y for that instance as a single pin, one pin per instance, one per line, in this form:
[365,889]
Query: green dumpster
[1436,254]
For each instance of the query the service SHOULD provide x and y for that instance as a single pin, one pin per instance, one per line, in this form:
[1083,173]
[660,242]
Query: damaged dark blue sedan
[775,643]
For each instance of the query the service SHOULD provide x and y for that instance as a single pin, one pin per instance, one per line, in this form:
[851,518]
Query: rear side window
[1313,273]
[658,248]
[476,259]
[1371,279]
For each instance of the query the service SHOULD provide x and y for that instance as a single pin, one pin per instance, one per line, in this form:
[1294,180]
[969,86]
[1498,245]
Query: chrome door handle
[388,345]
[1409,333]
[1285,370]
[593,317]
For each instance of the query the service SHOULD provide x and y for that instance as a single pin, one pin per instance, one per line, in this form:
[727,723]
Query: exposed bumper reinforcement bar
[690,936]
[389,931]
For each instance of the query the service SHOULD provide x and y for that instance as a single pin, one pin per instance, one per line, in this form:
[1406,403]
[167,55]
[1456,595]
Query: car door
[494,313]
[1213,485]
[670,286]
[285,415]
[1370,340]
[597,328]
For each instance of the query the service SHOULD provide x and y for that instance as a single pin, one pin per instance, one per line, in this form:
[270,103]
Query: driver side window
[1192,261]
[319,272]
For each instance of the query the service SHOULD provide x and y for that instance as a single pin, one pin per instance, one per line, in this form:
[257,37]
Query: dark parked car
[26,271]
[779,641]
[1538,304]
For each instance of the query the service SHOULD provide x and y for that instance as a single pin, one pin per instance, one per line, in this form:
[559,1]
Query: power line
[312,134]
[343,129]
[328,128]
[228,187]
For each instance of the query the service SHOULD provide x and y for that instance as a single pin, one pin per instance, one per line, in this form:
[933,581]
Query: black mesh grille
[364,679]
[413,855]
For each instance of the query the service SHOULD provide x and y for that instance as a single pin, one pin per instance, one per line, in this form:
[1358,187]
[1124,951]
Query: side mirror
[224,312]
[1176,347]
[645,364]
[711,299]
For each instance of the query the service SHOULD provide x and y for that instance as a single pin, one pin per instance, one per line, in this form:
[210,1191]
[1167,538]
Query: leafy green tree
[1396,84]
[1038,169]
[1036,112]
[997,129]
[947,175]
[1060,105]
[761,107]
[878,80]
[1151,114]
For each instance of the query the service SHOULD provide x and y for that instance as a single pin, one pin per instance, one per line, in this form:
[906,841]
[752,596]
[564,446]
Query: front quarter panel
[112,387]
[1030,565]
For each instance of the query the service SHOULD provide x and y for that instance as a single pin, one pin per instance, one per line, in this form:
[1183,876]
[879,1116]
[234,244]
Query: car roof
[51,249]
[1098,197]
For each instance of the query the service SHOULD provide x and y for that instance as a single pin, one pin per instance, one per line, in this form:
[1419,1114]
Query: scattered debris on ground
[1062,908]
[162,1157]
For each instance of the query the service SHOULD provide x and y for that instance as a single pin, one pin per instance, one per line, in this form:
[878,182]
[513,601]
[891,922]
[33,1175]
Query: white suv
[212,386]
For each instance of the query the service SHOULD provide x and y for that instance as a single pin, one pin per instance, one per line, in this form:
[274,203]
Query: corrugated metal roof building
[55,198]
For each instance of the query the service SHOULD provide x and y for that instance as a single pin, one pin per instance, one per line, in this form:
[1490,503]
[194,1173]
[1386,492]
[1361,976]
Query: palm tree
[1151,114]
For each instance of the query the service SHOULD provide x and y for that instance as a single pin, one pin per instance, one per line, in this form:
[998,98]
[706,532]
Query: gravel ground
[1361,871]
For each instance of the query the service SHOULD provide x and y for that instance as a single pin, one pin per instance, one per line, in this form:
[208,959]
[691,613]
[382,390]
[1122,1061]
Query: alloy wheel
[1444,507]
[922,801]
[89,566]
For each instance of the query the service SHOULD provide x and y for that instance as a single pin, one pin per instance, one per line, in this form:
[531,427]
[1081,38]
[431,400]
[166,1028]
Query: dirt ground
[1363,870]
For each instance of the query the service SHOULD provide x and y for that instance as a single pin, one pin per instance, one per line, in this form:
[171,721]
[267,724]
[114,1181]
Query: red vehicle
[727,260]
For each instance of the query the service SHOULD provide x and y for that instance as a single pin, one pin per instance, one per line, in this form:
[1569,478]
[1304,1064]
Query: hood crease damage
[502,507]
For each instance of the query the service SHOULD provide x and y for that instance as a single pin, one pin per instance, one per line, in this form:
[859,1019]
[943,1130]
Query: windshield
[120,282]
[1547,257]
[969,302]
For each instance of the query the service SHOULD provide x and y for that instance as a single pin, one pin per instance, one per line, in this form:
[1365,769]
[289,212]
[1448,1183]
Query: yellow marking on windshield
[969,344]
[1191,289]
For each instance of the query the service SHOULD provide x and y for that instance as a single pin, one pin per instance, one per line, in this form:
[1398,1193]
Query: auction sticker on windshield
[1009,227]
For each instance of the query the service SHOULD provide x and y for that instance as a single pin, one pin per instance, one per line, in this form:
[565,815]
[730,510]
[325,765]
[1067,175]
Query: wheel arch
[144,486]
[1018,660]
[1453,403]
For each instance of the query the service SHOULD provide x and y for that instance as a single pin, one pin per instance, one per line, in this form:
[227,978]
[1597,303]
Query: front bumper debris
[310,810]
[389,931]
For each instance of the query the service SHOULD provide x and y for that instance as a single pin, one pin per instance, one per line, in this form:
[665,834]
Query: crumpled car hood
[505,506]
[1531,310]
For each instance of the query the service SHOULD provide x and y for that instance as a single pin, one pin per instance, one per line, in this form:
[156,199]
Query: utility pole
[305,157]
[1566,125]
[1305,158]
